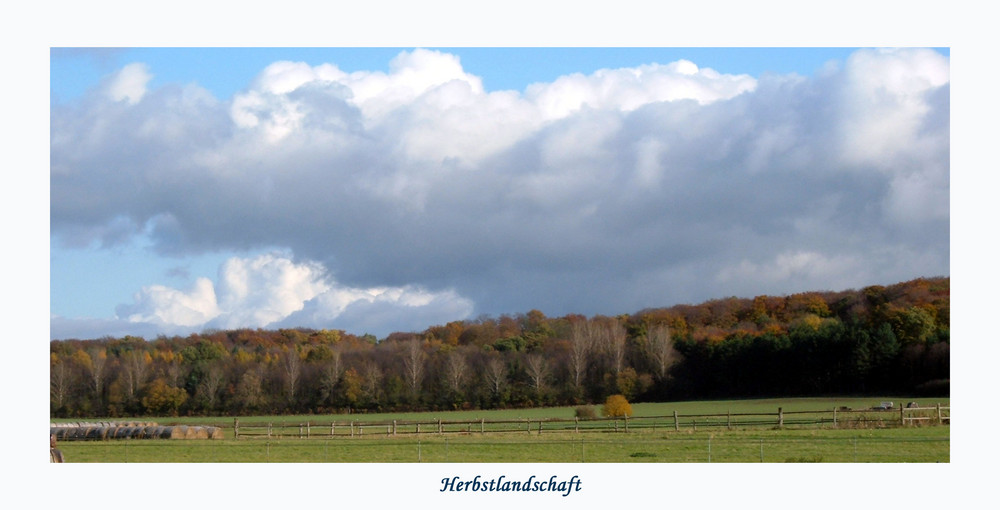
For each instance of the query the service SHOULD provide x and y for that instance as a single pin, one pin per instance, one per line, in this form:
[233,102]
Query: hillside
[878,338]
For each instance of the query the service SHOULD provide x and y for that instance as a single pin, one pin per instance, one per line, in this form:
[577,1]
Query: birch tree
[661,349]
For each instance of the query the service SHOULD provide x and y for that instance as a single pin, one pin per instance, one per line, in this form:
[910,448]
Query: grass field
[917,444]
[690,444]
[566,412]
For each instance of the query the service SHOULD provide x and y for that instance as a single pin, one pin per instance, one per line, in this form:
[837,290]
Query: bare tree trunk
[209,386]
[455,370]
[372,375]
[538,370]
[580,343]
[330,375]
[59,383]
[414,360]
[496,374]
[615,337]
[136,367]
[661,349]
[97,371]
[292,366]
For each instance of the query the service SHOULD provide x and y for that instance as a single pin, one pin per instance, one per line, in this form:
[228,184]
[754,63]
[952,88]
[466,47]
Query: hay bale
[175,432]
[201,433]
[215,433]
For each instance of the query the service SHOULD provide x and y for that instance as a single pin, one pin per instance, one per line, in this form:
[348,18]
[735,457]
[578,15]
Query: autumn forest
[874,340]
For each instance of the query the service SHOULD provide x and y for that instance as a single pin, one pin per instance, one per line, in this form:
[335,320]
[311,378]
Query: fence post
[333,428]
[352,428]
[781,418]
[576,421]
[394,427]
[902,420]
[939,413]
[236,424]
[440,429]
[308,426]
[482,425]
[269,430]
[677,425]
[729,419]
[834,416]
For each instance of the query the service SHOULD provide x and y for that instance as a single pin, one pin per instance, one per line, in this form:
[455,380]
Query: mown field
[743,444]
[918,444]
[566,412]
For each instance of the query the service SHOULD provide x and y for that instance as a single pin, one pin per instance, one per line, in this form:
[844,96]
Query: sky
[391,189]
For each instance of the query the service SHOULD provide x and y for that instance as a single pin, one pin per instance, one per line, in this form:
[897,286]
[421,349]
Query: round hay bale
[215,433]
[200,433]
[174,432]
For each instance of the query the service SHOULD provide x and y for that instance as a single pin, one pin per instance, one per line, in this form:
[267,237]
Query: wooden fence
[837,417]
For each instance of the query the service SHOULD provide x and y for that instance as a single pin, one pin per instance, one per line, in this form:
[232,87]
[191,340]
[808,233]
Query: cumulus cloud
[600,193]
[271,290]
[129,84]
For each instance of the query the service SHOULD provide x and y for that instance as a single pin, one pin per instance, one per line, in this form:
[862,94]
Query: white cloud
[413,183]
[162,305]
[885,101]
[271,290]
[129,84]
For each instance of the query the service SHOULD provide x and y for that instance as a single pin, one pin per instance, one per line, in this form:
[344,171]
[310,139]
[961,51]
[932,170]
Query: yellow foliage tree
[162,398]
[616,406]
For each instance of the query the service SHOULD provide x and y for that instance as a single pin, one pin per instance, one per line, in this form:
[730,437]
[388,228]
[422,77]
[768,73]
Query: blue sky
[590,164]
[225,71]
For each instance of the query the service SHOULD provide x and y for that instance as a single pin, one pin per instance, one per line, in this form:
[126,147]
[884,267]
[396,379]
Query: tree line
[874,340]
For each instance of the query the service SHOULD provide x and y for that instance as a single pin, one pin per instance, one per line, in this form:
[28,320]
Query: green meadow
[721,442]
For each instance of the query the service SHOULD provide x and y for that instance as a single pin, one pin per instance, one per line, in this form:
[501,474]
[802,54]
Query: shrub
[585,412]
[616,406]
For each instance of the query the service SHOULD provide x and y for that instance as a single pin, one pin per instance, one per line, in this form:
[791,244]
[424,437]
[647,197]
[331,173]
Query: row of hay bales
[72,424]
[136,432]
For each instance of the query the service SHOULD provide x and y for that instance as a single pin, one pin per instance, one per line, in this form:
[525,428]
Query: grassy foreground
[696,444]
[565,412]
[916,444]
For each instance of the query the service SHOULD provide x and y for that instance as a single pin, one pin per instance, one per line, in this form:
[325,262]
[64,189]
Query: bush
[616,406]
[585,412]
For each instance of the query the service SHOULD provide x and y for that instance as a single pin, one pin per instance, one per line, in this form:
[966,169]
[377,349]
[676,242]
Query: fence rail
[837,417]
